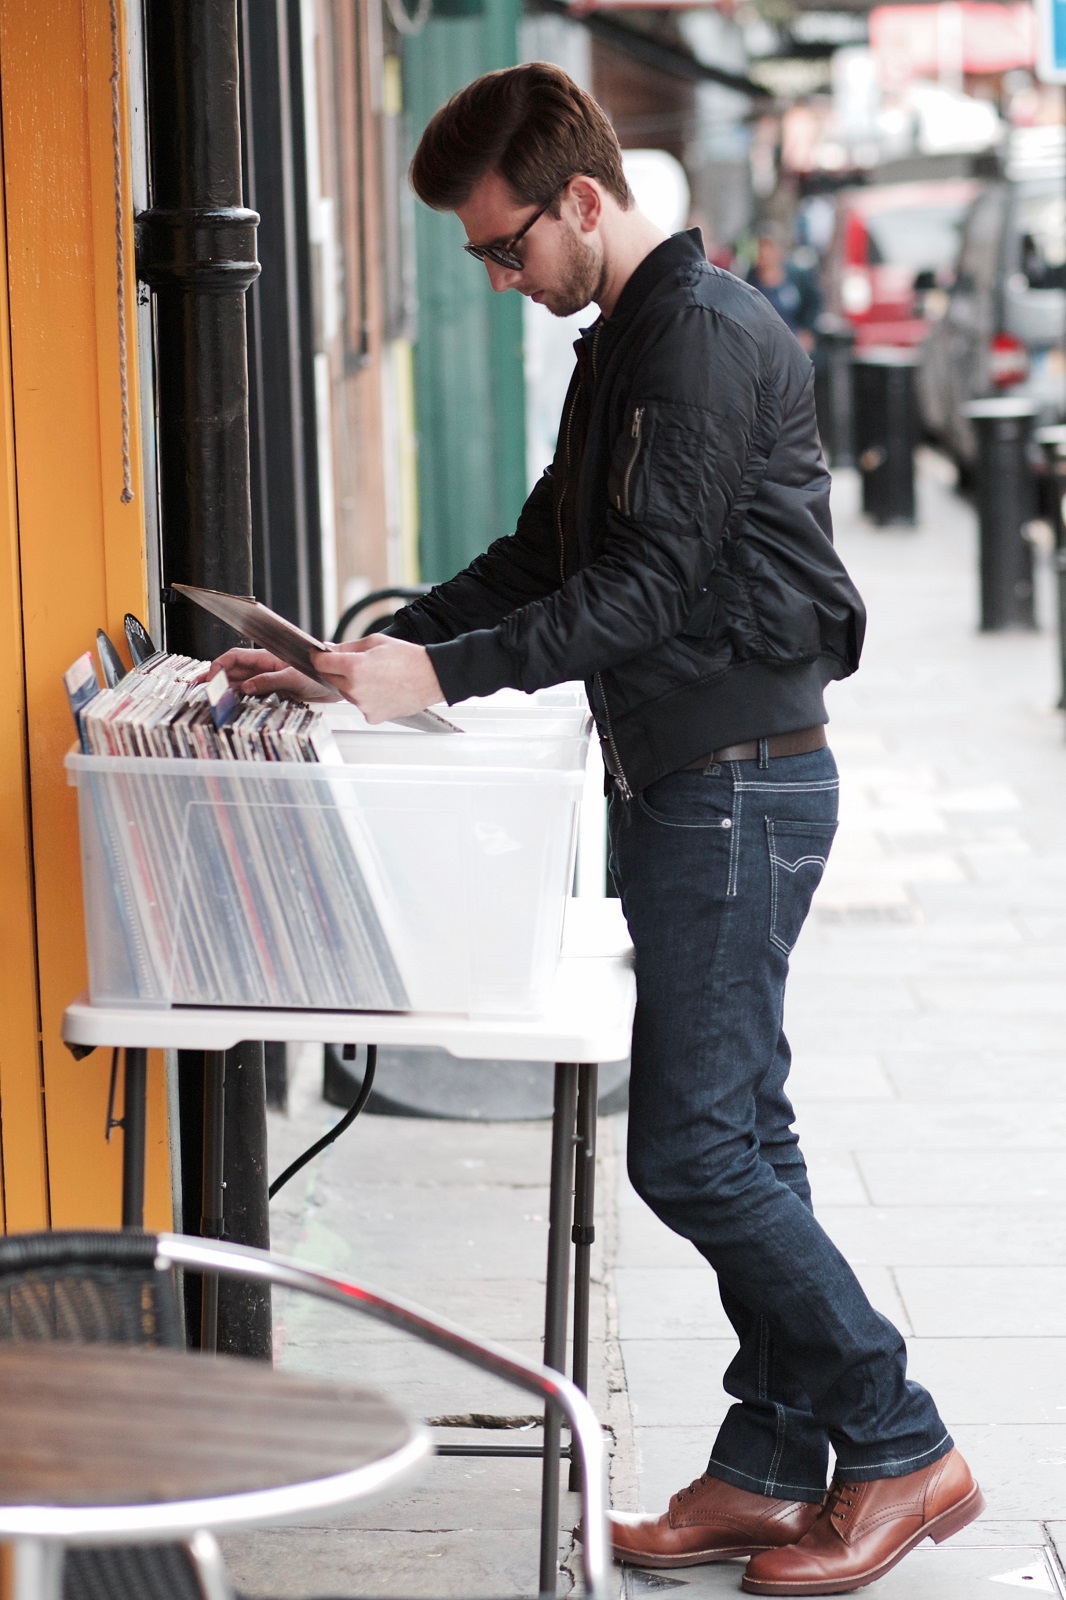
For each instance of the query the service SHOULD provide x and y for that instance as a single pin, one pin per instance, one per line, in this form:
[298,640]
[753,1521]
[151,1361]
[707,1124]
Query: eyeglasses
[504,255]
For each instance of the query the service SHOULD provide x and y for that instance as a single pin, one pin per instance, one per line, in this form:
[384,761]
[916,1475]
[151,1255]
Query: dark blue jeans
[716,870]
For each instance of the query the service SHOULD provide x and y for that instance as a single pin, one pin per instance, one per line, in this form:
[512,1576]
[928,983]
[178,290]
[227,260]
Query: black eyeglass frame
[502,255]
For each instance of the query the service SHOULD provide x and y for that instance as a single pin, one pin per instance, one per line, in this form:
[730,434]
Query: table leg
[560,1204]
[133,1124]
[37,1570]
[584,1230]
[212,1204]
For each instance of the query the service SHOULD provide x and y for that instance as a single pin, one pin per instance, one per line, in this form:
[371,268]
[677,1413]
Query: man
[791,291]
[678,557]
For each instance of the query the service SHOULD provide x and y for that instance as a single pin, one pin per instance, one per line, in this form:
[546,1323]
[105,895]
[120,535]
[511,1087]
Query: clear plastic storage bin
[429,872]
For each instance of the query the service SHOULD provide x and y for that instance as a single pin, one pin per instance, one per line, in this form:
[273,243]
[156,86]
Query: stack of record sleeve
[163,708]
[217,881]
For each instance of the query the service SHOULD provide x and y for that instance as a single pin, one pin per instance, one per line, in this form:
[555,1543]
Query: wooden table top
[111,1425]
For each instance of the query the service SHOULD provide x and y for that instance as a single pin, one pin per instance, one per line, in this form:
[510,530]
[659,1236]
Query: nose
[501,278]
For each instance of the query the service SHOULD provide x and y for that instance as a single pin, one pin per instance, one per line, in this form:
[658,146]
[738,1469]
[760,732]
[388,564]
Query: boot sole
[951,1521]
[694,1558]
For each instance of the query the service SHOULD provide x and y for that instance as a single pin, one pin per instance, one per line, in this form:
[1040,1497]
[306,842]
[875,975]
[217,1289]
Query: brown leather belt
[800,743]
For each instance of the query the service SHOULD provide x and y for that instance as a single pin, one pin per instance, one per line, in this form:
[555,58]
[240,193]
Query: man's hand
[259,672]
[384,677]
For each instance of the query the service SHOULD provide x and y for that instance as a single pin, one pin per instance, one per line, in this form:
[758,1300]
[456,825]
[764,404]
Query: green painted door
[469,386]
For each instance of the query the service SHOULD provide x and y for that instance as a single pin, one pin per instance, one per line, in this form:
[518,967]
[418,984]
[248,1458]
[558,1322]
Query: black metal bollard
[886,432]
[1006,501]
[1053,443]
[834,389]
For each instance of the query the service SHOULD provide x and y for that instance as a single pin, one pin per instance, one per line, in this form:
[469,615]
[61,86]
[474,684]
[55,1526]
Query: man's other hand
[384,677]
[260,672]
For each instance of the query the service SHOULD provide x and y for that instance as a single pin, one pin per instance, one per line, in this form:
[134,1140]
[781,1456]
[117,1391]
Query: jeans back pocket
[798,854]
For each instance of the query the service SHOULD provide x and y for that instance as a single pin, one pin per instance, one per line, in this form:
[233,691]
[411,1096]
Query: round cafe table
[106,1444]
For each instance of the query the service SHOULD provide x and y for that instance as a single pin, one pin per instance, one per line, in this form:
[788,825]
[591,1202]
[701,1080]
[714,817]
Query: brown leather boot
[709,1521]
[865,1528]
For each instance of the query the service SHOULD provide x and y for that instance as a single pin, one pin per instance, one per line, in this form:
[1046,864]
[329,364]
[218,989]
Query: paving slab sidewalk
[926,1016]
[452,1215]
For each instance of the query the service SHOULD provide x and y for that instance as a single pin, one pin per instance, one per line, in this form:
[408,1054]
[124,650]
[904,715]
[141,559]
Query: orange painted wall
[71,560]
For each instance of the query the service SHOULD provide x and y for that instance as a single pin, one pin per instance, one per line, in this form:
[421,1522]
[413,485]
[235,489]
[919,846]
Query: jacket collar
[677,251]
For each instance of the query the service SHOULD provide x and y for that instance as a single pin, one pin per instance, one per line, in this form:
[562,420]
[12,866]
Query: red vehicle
[892,244]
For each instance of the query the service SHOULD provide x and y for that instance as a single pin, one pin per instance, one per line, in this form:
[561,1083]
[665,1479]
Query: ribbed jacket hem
[750,701]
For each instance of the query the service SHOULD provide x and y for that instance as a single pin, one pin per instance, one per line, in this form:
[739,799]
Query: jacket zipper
[562,493]
[618,776]
[593,342]
[622,501]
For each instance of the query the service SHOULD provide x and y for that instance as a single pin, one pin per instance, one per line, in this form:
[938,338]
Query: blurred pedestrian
[792,290]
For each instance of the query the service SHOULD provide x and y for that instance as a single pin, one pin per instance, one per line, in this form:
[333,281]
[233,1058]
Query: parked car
[1002,323]
[891,244]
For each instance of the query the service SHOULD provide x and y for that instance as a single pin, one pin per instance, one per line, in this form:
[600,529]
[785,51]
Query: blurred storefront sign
[951,40]
[792,77]
[580,8]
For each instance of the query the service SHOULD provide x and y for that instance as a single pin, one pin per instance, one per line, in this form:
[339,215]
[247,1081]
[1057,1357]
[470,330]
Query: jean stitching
[779,863]
[669,822]
[773,884]
[764,1392]
[764,1344]
[897,1461]
[803,1488]
[779,1449]
[792,788]
[734,842]
[776,864]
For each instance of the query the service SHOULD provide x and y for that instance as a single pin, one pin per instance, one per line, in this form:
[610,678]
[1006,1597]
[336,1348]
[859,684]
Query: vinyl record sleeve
[288,642]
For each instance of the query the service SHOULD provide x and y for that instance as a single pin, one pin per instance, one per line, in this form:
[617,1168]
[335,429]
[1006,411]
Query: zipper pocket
[622,501]
[562,493]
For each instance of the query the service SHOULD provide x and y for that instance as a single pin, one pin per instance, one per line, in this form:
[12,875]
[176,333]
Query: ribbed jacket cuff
[474,664]
[402,627]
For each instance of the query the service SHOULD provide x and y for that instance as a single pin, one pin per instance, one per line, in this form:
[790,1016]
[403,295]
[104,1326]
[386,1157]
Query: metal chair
[103,1288]
[403,592]
[125,1288]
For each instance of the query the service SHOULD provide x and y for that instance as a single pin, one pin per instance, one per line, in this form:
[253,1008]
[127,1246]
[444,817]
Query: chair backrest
[100,1288]
[89,1288]
[131,1572]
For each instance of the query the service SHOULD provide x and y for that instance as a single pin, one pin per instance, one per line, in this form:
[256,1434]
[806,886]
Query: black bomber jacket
[678,556]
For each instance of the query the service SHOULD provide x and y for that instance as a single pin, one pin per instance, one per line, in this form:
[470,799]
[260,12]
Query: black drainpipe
[196,249]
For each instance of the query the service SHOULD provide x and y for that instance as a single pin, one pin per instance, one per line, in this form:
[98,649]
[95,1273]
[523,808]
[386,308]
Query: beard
[581,278]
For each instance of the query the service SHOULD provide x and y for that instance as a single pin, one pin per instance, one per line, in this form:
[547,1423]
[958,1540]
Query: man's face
[769,258]
[562,262]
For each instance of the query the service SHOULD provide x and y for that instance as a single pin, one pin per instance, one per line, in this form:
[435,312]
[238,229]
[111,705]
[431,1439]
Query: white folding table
[588,1020]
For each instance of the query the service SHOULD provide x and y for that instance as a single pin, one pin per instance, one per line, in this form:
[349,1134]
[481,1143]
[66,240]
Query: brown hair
[532,125]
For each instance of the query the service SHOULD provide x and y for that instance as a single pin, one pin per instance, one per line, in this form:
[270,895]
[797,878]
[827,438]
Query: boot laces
[697,1483]
[840,1494]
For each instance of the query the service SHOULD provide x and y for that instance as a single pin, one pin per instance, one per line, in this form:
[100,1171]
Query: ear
[586,194]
